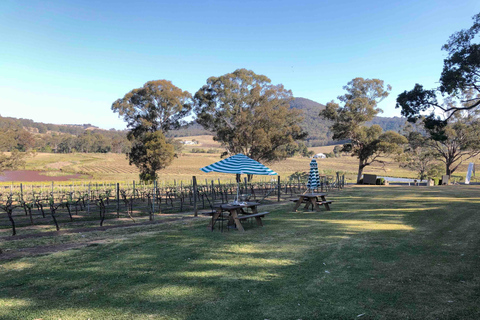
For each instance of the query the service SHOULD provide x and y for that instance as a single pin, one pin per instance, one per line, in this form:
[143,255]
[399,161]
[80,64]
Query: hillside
[46,137]
[26,134]
[317,128]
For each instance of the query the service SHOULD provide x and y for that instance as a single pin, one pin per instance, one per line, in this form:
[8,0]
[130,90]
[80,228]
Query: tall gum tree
[249,115]
[461,141]
[151,111]
[459,82]
[368,144]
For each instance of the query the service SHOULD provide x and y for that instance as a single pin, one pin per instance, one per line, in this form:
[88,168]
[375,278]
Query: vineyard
[56,207]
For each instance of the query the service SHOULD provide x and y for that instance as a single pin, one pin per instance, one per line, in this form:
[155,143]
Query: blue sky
[68,61]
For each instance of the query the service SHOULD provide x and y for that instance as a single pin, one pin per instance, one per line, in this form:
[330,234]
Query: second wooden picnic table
[314,200]
[236,211]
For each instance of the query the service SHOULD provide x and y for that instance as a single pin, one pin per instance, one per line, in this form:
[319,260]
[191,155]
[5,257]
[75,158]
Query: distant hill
[26,134]
[40,127]
[317,128]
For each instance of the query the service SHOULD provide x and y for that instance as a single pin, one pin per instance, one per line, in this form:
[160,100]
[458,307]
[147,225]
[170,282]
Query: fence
[61,203]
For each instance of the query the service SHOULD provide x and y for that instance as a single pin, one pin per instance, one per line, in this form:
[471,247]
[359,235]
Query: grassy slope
[115,167]
[415,258]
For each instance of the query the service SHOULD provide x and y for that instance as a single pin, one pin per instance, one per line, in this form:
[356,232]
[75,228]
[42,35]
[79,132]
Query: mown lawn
[381,253]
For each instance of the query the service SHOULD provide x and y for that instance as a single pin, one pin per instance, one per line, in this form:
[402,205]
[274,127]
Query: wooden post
[21,191]
[245,181]
[88,199]
[278,181]
[133,184]
[338,180]
[118,199]
[195,207]
[214,197]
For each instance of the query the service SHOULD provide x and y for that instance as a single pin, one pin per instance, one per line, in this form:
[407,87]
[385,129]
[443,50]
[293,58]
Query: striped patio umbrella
[313,178]
[239,164]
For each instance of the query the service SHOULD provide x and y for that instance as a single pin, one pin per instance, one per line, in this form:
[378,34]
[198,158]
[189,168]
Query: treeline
[24,135]
[317,127]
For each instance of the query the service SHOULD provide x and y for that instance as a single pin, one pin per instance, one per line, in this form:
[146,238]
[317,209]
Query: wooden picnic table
[237,213]
[312,199]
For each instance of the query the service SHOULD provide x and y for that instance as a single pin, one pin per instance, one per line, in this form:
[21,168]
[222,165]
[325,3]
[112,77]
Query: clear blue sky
[68,61]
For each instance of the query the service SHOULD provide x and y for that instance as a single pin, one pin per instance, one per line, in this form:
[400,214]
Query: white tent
[470,171]
[320,155]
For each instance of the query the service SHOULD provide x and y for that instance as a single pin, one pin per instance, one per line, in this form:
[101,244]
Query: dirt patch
[32,176]
[87,229]
[35,251]
[40,250]
[58,165]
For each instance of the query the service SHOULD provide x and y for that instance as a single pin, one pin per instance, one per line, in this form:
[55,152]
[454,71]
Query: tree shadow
[382,252]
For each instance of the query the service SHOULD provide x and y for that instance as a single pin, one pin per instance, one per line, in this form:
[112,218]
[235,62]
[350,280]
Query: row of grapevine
[61,204]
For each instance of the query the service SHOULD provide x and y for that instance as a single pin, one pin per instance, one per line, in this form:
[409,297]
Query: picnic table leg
[307,204]
[327,206]
[315,204]
[259,221]
[235,219]
[299,202]
[214,218]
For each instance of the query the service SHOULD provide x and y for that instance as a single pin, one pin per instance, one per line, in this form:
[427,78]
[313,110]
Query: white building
[320,156]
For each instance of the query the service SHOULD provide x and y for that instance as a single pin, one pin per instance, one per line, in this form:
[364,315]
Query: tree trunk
[448,170]
[361,166]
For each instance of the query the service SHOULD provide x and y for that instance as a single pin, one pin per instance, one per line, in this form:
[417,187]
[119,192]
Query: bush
[437,181]
[380,181]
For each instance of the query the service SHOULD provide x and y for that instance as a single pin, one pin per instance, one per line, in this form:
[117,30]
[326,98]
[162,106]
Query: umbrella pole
[238,191]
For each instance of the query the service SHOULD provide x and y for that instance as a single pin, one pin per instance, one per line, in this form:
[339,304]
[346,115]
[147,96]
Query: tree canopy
[459,82]
[249,115]
[462,136]
[419,154]
[13,161]
[360,102]
[158,105]
[150,112]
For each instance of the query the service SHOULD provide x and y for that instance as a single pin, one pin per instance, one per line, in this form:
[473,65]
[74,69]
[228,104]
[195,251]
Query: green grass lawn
[381,253]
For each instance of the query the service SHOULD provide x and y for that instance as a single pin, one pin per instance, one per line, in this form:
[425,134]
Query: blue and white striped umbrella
[313,178]
[239,164]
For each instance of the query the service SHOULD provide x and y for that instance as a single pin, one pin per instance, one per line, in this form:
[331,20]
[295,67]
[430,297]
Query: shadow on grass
[381,252]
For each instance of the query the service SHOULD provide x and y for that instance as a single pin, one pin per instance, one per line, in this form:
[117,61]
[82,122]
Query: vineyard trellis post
[88,199]
[195,207]
[154,195]
[279,187]
[118,199]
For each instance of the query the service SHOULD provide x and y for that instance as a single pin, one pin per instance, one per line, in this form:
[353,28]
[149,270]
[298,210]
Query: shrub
[380,181]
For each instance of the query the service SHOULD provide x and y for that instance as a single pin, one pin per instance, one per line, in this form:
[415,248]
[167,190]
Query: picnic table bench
[237,214]
[312,199]
[258,217]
